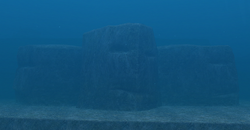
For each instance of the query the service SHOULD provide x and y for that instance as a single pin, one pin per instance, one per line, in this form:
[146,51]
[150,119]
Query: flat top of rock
[216,114]
[126,25]
[190,45]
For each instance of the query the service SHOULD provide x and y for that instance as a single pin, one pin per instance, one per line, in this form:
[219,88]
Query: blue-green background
[204,22]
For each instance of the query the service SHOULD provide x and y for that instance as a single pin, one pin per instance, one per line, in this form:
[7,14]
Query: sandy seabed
[184,114]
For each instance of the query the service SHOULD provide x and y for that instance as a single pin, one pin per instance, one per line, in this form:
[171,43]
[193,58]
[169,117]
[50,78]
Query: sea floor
[205,114]
[239,115]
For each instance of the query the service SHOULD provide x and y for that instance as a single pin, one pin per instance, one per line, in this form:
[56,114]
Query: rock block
[48,74]
[120,68]
[49,55]
[197,75]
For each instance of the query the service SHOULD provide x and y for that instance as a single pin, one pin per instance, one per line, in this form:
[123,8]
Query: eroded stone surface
[120,68]
[48,74]
[197,75]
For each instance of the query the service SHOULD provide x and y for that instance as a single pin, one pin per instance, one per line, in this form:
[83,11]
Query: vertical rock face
[48,74]
[196,75]
[120,68]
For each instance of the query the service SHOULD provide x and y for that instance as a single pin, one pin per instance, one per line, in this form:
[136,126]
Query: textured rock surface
[49,55]
[120,68]
[196,75]
[45,124]
[48,74]
[117,69]
[14,116]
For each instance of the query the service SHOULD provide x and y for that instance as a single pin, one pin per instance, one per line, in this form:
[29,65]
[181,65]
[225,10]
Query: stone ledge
[16,116]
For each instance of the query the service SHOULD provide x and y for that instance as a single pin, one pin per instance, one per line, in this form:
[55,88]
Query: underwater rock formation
[48,74]
[198,75]
[120,68]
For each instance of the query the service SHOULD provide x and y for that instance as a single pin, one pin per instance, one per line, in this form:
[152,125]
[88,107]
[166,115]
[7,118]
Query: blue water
[210,22]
